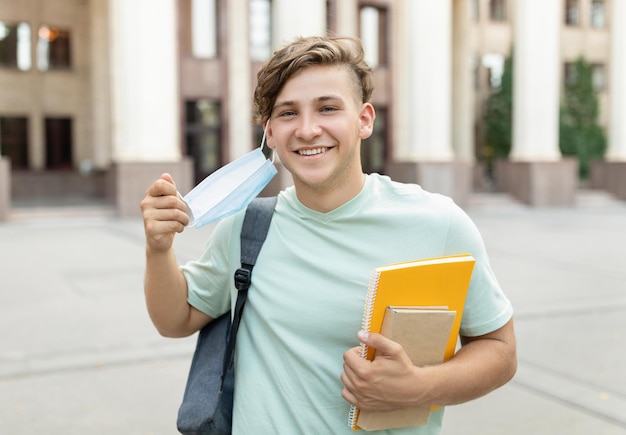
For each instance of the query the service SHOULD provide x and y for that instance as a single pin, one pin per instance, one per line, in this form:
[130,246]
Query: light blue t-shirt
[308,291]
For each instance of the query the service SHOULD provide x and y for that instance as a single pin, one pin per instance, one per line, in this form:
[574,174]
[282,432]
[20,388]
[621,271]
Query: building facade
[98,97]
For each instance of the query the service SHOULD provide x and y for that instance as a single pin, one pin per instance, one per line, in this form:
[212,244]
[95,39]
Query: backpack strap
[256,223]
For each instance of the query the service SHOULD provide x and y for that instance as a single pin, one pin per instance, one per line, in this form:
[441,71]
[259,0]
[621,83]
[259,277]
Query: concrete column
[617,124]
[297,18]
[430,75]
[144,80]
[36,136]
[347,17]
[401,122]
[536,81]
[423,154]
[613,170]
[239,105]
[145,106]
[100,85]
[462,85]
[36,124]
[5,188]
[536,174]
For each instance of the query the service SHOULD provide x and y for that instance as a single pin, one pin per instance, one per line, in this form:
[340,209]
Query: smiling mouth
[313,151]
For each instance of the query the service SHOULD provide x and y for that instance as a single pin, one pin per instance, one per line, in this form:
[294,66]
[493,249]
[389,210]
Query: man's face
[316,127]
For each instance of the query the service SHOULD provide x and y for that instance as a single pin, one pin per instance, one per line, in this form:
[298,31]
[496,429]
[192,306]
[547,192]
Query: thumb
[167,177]
[382,344]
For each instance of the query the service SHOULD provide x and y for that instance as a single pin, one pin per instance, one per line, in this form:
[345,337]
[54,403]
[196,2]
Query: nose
[308,127]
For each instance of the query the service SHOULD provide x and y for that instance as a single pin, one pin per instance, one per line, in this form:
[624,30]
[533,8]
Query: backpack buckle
[243,278]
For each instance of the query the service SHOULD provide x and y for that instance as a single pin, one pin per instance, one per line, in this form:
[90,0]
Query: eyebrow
[320,99]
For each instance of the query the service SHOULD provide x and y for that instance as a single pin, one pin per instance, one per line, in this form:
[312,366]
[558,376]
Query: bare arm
[391,381]
[483,364]
[164,215]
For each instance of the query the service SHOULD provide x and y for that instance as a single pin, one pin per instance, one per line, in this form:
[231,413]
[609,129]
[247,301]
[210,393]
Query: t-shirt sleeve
[487,308]
[210,277]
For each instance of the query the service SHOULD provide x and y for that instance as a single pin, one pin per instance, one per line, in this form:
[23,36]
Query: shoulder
[388,192]
[415,204]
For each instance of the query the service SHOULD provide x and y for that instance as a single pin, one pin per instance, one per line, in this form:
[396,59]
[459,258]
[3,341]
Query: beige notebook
[423,332]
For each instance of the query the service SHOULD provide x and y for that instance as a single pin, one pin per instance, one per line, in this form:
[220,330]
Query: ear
[366,120]
[268,135]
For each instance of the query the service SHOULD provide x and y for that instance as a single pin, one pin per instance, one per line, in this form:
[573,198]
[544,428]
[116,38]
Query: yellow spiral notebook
[442,281]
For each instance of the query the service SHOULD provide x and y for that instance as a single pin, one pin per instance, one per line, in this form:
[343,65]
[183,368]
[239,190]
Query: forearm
[166,294]
[479,367]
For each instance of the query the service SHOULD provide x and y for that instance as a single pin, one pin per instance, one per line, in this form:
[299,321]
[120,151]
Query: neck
[325,199]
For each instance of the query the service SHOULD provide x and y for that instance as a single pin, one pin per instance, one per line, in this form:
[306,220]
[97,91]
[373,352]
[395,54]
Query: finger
[355,390]
[348,375]
[352,358]
[163,186]
[382,344]
[167,177]
[166,227]
[162,208]
[169,202]
[159,229]
[356,370]
[349,389]
[348,396]
[166,209]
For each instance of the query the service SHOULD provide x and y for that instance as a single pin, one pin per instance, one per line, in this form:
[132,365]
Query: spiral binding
[368,311]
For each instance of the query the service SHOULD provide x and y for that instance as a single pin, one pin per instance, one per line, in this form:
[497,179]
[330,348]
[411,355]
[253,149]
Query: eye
[286,114]
[328,109]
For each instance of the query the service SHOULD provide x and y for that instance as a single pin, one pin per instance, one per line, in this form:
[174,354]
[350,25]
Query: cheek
[278,137]
[342,128]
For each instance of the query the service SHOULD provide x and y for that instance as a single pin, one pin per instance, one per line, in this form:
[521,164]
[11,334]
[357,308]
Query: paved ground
[79,355]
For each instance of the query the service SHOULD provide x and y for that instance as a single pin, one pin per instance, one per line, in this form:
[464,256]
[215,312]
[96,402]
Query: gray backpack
[207,407]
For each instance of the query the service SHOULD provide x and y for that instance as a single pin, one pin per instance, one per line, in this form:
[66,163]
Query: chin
[312,182]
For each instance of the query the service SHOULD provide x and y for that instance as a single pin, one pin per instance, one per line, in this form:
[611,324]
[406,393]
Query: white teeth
[311,152]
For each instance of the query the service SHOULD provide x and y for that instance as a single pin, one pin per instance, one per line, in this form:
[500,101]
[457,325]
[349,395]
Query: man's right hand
[164,214]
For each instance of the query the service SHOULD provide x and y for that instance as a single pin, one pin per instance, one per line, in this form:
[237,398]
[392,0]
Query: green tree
[579,132]
[498,118]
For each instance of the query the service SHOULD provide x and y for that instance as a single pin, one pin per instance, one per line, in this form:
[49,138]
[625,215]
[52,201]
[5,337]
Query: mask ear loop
[264,140]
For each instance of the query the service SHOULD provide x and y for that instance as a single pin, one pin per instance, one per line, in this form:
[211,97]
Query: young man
[298,365]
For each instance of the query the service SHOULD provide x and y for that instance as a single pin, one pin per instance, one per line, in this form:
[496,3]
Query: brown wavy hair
[304,52]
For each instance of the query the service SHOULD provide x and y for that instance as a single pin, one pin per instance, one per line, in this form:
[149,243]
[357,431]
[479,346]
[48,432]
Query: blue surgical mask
[229,189]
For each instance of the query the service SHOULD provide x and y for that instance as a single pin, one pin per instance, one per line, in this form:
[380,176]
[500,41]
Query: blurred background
[516,109]
[522,97]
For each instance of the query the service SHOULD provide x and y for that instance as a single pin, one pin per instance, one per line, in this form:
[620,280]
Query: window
[497,10]
[58,143]
[494,62]
[14,140]
[204,29]
[203,136]
[15,45]
[373,33]
[260,30]
[53,48]
[572,12]
[569,73]
[374,149]
[598,77]
[596,70]
[598,11]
